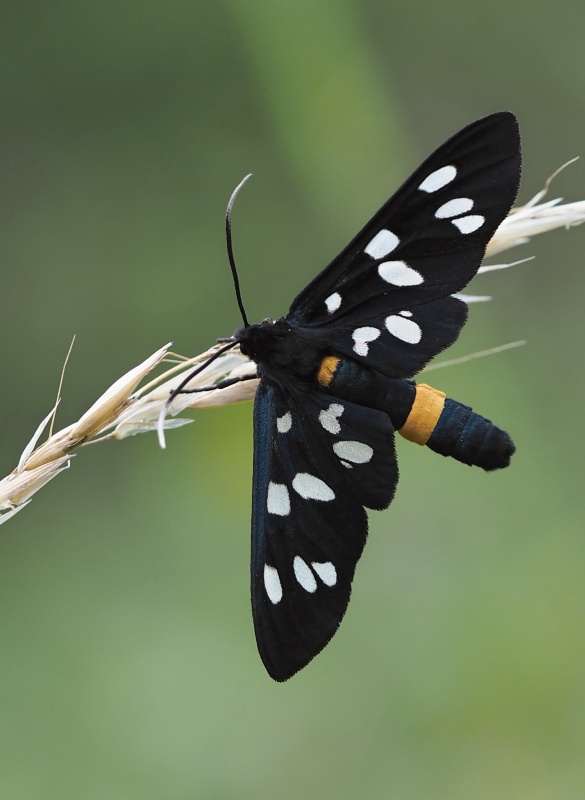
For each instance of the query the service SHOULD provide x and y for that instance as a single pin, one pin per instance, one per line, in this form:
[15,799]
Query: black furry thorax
[284,352]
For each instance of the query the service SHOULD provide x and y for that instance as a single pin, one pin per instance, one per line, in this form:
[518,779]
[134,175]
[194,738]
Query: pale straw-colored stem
[123,410]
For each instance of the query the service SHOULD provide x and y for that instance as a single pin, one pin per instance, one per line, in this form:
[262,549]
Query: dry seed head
[113,401]
[18,487]
[535,217]
[144,412]
[58,446]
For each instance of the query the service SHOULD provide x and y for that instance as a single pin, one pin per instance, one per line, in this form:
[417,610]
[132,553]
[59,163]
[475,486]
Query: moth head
[257,341]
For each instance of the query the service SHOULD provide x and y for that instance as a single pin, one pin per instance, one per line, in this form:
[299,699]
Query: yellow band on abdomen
[327,370]
[424,414]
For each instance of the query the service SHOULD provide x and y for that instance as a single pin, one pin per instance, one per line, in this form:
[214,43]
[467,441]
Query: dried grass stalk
[123,411]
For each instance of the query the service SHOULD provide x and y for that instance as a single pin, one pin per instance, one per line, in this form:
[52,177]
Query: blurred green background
[129,668]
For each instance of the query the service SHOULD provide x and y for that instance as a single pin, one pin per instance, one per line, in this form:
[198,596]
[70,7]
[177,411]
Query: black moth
[335,385]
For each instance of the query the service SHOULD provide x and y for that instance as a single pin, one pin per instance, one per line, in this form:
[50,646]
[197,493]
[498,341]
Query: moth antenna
[228,236]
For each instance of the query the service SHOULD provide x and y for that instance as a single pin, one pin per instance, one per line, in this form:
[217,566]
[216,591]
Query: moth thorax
[280,348]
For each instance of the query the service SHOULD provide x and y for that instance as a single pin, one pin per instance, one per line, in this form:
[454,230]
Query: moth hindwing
[318,461]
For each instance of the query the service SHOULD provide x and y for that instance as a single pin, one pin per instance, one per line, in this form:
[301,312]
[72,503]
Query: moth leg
[221,385]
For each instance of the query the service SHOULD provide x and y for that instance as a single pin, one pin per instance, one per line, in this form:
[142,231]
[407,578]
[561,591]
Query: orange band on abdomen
[327,370]
[425,412]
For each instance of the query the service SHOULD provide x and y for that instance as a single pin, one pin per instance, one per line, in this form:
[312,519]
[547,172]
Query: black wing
[317,462]
[387,294]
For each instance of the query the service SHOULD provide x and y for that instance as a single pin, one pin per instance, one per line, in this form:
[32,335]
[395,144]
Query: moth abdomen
[420,413]
[351,380]
[453,429]
[470,438]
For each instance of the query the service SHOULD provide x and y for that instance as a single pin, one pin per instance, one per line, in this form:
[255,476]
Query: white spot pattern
[384,242]
[304,575]
[278,500]
[328,418]
[453,208]
[272,584]
[437,179]
[311,488]
[405,313]
[356,452]
[469,224]
[284,423]
[399,274]
[405,329]
[362,338]
[333,302]
[326,571]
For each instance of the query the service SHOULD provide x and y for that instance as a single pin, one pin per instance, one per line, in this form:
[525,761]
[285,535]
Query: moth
[336,383]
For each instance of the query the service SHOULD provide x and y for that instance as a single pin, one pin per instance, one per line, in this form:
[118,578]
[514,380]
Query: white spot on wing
[283,424]
[333,302]
[405,329]
[383,243]
[362,337]
[356,452]
[326,571]
[304,575]
[469,224]
[312,488]
[278,500]
[328,417]
[437,179]
[399,273]
[453,208]
[405,313]
[272,584]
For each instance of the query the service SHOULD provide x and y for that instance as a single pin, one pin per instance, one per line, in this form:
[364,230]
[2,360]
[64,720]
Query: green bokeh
[128,665]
